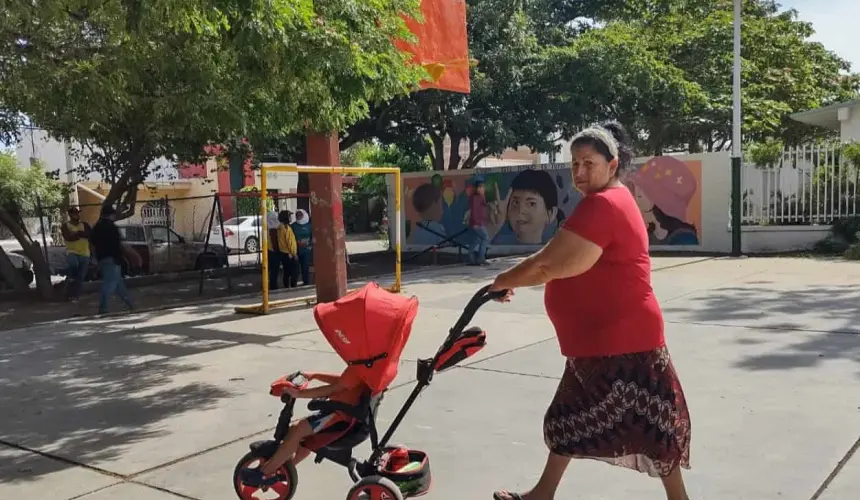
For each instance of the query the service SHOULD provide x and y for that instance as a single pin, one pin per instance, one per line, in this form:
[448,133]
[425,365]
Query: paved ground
[159,406]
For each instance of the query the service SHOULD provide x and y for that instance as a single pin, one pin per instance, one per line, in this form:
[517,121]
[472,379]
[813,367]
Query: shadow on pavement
[87,393]
[763,306]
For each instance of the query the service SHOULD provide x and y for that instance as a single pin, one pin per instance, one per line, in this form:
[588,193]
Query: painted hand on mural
[497,212]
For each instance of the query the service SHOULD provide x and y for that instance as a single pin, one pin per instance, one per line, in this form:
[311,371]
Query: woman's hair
[610,139]
[540,182]
[425,196]
[669,223]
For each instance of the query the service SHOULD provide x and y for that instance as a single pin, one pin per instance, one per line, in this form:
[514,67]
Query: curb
[245,296]
[213,300]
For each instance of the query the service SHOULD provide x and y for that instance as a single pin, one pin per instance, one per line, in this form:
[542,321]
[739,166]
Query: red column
[327,218]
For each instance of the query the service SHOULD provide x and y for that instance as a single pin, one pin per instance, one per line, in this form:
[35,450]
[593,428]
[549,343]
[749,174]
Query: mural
[527,204]
[669,193]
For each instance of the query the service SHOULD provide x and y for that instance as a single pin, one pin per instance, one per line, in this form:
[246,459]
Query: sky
[835,23]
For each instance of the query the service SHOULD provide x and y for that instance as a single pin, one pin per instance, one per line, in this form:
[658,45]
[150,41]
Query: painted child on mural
[529,214]
[427,202]
[664,188]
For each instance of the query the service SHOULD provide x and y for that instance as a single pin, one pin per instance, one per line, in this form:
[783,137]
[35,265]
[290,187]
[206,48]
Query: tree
[783,71]
[503,110]
[20,188]
[540,74]
[135,81]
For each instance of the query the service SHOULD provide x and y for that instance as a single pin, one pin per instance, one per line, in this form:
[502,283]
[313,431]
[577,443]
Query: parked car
[163,250]
[242,234]
[23,265]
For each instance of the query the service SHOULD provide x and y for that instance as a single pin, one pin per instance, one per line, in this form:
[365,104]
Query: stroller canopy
[368,328]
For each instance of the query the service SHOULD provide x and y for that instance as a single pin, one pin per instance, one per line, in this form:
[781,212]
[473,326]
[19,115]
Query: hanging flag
[442,46]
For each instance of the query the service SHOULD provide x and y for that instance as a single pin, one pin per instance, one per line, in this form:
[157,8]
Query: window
[132,234]
[235,221]
[161,234]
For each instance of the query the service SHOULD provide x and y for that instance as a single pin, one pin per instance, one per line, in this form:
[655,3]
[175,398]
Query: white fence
[810,185]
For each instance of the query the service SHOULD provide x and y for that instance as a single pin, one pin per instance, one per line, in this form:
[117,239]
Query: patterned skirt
[626,410]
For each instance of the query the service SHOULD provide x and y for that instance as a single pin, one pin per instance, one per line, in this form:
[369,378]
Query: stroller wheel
[284,489]
[375,488]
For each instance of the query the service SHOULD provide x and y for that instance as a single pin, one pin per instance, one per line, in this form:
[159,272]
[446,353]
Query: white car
[241,234]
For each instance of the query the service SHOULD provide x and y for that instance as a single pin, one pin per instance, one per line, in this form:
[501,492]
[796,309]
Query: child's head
[479,187]
[427,201]
[532,205]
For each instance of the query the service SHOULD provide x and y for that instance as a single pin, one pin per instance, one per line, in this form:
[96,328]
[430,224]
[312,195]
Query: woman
[304,238]
[287,249]
[619,399]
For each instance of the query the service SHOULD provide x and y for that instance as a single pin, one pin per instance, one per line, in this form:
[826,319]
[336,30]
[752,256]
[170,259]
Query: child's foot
[256,479]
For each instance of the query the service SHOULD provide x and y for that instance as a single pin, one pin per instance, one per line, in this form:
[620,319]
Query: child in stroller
[368,328]
[346,388]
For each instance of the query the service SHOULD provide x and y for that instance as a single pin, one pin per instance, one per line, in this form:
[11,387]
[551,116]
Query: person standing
[619,400]
[110,252]
[288,249]
[76,233]
[477,221]
[304,240]
[272,223]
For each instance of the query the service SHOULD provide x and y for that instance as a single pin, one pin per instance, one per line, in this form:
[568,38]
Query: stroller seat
[343,436]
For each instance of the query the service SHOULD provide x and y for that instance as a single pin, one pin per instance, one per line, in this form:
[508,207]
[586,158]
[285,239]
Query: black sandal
[510,496]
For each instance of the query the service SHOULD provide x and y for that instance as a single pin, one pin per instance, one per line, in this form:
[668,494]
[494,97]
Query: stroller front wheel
[375,488]
[284,489]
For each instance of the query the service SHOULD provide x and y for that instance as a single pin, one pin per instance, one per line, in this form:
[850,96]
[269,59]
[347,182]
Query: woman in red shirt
[619,400]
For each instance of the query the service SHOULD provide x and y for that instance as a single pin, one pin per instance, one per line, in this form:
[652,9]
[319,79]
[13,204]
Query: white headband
[599,134]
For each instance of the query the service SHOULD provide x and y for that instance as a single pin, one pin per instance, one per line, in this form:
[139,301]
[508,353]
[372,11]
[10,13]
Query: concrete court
[161,405]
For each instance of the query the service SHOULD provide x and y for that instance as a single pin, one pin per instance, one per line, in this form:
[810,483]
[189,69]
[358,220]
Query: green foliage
[765,154]
[250,205]
[135,81]
[21,187]
[374,155]
[783,70]
[853,252]
[847,228]
[851,154]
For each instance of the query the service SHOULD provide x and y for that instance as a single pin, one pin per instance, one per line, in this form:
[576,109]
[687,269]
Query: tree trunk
[438,156]
[9,273]
[33,252]
[454,157]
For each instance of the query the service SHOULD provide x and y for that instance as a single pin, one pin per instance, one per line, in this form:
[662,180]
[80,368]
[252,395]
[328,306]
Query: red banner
[442,46]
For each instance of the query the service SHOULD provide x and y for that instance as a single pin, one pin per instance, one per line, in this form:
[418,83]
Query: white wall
[768,239]
[851,127]
[36,143]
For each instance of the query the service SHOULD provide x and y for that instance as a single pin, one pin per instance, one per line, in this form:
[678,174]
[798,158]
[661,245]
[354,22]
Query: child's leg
[298,431]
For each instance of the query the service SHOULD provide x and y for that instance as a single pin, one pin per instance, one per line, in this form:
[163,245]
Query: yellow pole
[264,246]
[398,186]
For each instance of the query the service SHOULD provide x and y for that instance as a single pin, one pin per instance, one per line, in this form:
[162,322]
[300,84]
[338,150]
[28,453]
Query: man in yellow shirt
[76,233]
[288,249]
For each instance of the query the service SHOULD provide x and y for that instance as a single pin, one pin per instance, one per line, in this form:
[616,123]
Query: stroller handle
[480,298]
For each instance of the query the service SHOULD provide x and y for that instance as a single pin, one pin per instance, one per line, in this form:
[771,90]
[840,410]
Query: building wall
[691,190]
[851,127]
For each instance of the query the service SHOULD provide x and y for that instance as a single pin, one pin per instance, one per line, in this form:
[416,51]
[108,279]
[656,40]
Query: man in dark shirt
[108,246]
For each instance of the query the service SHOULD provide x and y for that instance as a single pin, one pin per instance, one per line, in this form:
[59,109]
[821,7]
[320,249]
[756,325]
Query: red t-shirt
[610,309]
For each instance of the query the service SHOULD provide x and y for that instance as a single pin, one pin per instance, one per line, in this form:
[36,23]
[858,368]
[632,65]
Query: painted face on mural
[528,216]
[591,170]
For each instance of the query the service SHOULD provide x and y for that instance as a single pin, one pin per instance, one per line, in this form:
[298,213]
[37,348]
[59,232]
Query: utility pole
[736,136]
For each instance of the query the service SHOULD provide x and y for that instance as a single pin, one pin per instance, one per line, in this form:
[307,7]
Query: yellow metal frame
[265,168]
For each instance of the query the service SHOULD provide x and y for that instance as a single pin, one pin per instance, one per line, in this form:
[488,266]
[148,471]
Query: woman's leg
[548,483]
[674,485]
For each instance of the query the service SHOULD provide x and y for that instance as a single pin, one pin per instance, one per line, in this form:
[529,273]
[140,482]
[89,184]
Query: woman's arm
[567,254]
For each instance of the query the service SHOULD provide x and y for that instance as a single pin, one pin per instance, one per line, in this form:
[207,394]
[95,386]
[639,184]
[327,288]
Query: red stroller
[367,328]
